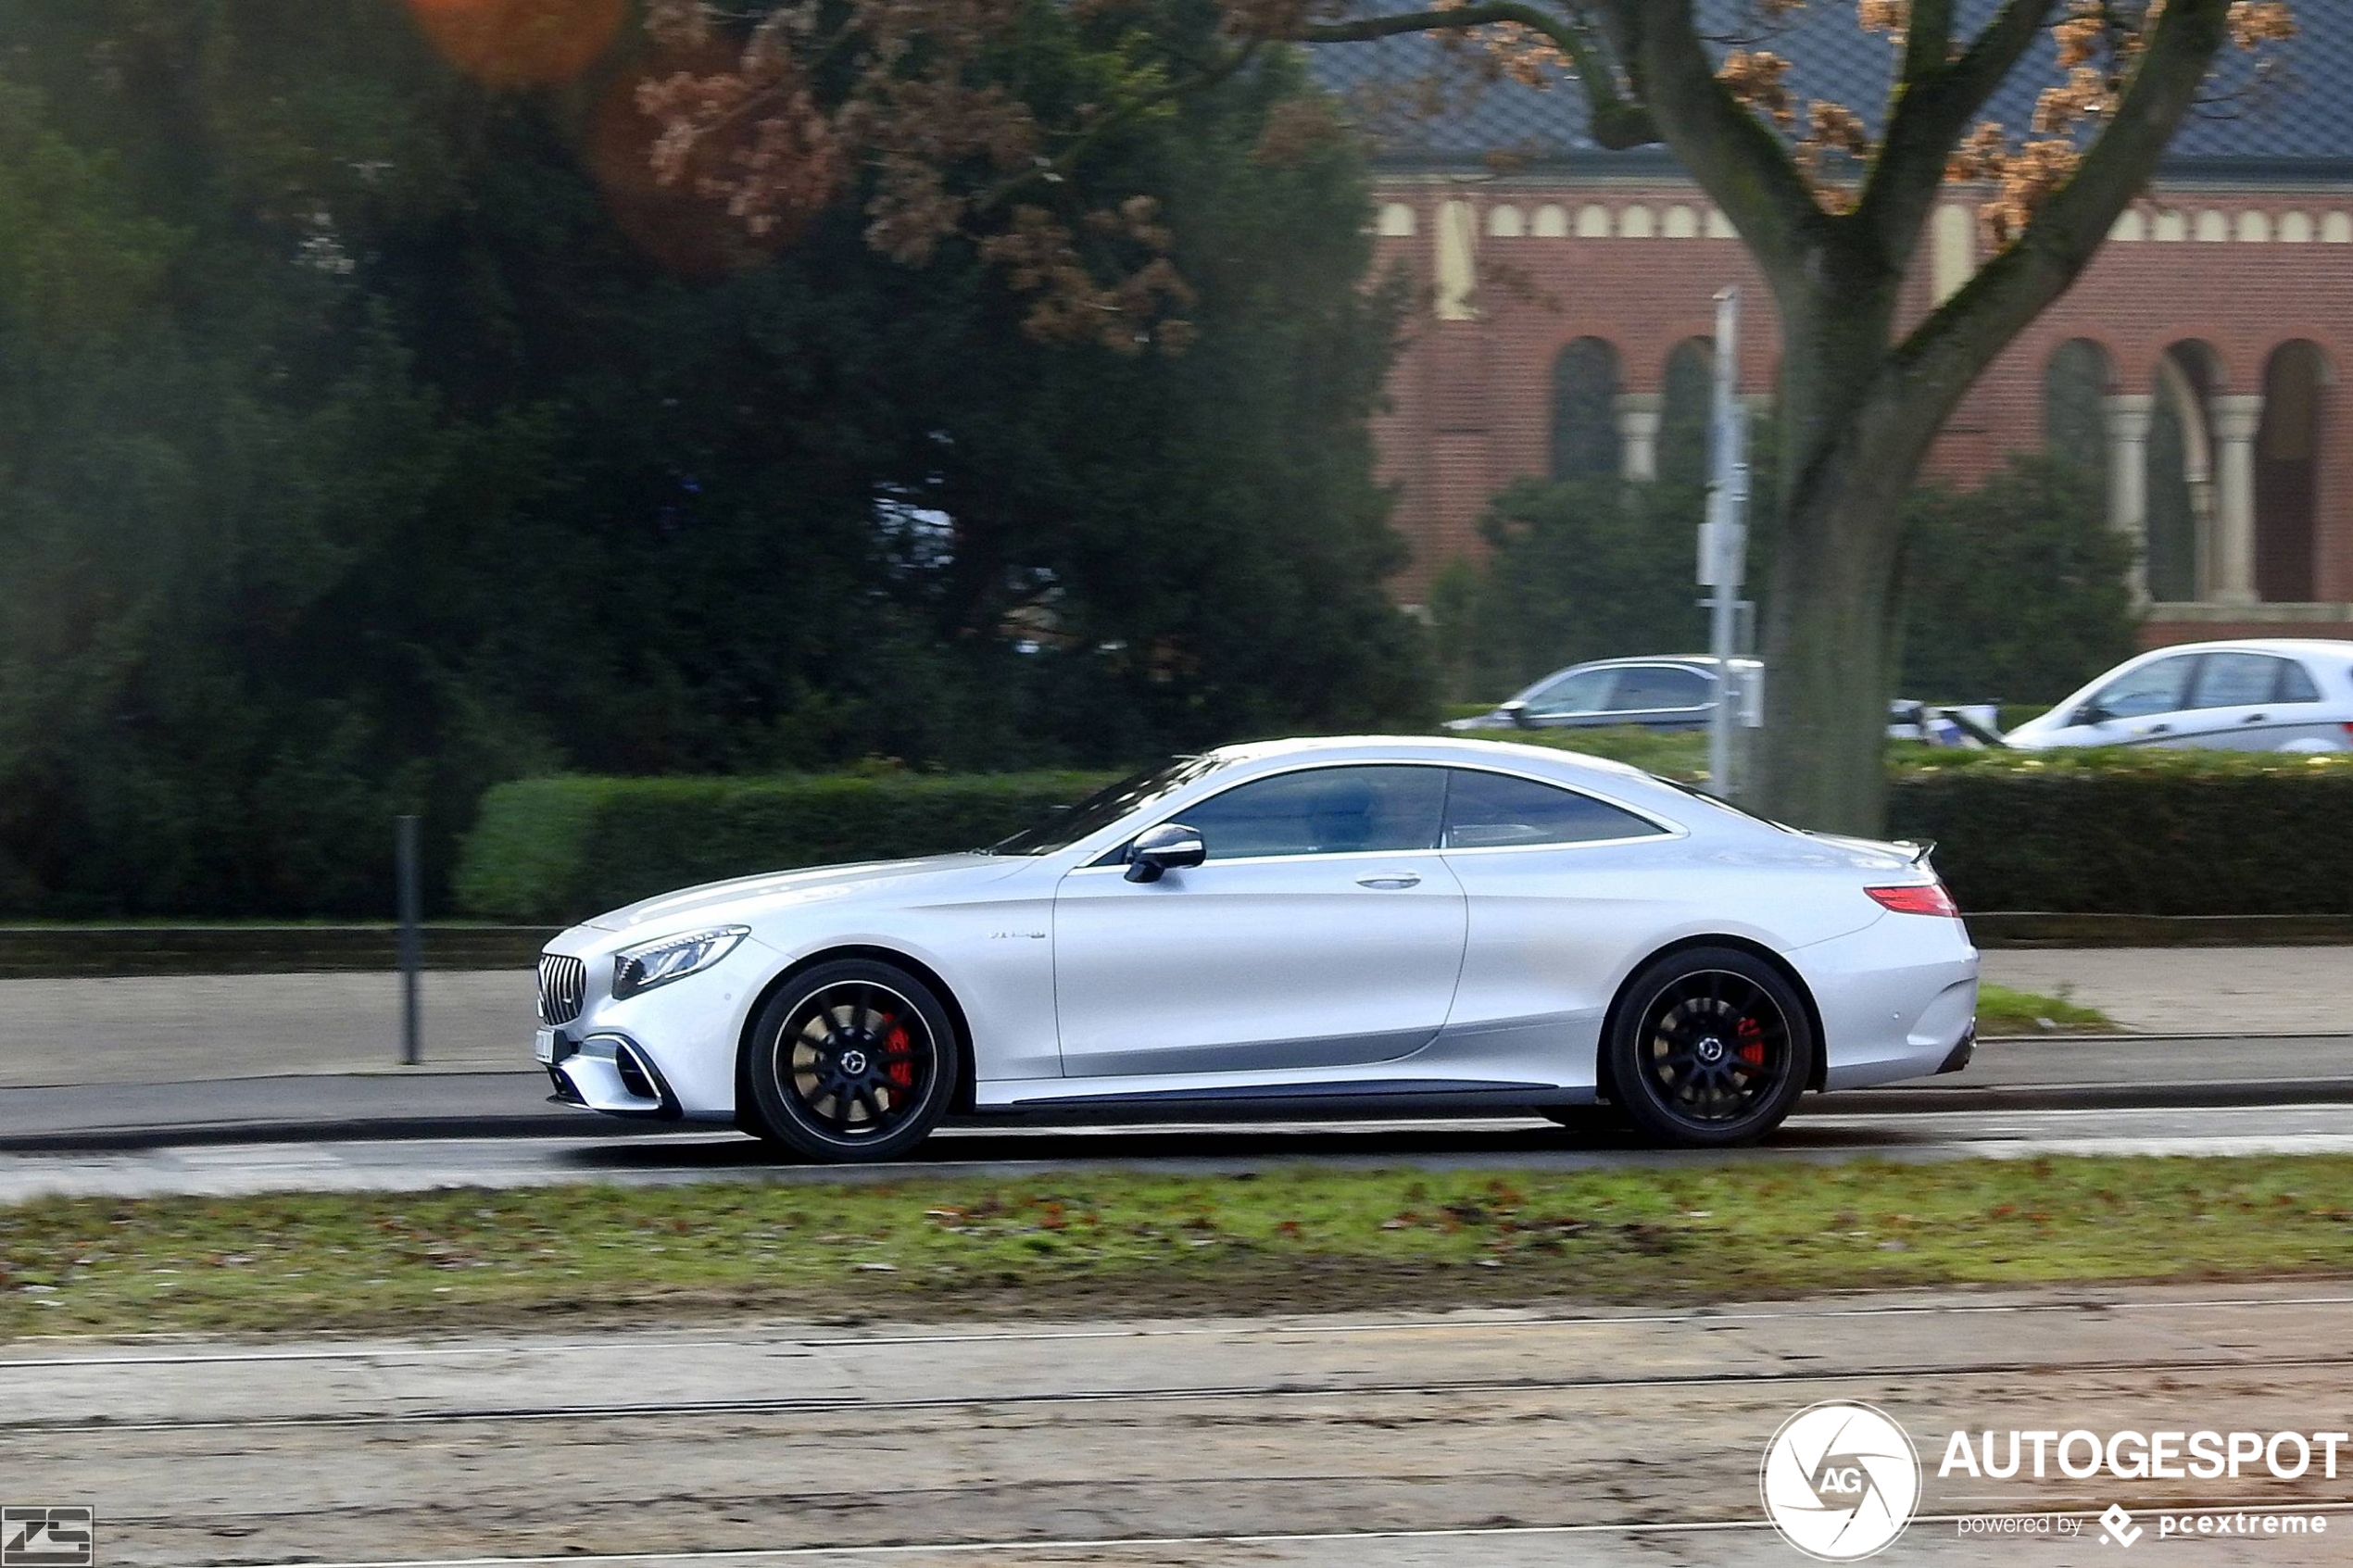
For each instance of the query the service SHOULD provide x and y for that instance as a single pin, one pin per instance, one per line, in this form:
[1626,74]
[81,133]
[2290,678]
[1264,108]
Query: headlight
[673,958]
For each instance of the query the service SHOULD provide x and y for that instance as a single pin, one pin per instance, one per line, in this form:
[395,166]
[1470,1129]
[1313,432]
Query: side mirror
[1170,847]
[2093,714]
[1516,711]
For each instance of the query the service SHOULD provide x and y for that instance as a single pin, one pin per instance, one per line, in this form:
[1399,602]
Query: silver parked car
[2272,694]
[1678,692]
[1669,691]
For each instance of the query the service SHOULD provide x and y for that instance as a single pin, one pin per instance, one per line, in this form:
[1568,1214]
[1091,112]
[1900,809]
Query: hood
[741,897]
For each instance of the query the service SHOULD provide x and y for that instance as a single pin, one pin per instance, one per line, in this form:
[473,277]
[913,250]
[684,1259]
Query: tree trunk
[1829,657]
[1849,457]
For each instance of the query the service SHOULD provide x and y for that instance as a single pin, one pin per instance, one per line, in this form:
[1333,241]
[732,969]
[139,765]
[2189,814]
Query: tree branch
[1933,104]
[1617,123]
[1737,160]
[1931,370]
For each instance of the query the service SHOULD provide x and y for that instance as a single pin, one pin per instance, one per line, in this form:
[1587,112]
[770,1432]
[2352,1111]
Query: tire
[1709,1048]
[853,1060]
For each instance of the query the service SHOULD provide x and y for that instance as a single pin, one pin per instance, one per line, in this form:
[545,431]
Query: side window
[2232,679]
[1323,811]
[2152,688]
[1490,811]
[1585,691]
[2296,683]
[1645,687]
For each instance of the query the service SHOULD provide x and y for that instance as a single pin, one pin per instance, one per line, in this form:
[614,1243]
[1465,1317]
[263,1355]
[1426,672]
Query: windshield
[1105,806]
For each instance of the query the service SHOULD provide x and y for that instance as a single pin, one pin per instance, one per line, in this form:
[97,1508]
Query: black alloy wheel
[1709,1047]
[851,1060]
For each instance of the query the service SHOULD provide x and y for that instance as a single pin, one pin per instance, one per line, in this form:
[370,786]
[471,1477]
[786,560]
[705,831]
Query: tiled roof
[2294,117]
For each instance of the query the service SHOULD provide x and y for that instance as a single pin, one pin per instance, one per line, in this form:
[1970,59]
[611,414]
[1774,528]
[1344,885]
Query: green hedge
[2172,833]
[564,848]
[2157,833]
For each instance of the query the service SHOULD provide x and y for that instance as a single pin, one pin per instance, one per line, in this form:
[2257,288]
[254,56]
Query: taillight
[1918,899]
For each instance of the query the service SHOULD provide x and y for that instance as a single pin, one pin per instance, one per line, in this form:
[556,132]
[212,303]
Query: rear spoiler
[1922,849]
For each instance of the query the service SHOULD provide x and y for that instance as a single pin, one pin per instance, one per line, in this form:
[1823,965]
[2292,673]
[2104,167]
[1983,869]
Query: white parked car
[2273,693]
[1305,925]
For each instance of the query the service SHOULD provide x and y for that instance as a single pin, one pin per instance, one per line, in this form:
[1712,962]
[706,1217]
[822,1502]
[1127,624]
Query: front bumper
[612,1073]
[667,1053]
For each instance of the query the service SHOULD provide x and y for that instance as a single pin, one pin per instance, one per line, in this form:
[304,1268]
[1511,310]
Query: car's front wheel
[1710,1047]
[851,1060]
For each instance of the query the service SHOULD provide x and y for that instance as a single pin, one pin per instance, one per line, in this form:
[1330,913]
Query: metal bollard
[411,897]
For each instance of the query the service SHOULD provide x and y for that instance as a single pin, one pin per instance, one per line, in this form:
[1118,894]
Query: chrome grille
[563,988]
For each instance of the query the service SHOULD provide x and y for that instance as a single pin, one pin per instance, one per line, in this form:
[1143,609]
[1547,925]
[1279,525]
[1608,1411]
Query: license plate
[543,1046]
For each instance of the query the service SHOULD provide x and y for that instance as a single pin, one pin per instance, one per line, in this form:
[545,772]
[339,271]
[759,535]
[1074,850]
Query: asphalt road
[1504,1439]
[412,1164]
[2120,1072]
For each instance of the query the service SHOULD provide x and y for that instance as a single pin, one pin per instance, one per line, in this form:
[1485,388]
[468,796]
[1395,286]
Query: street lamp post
[1723,537]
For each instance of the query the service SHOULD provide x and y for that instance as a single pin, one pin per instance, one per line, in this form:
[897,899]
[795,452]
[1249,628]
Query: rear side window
[1643,687]
[1494,810]
[2232,679]
[2296,683]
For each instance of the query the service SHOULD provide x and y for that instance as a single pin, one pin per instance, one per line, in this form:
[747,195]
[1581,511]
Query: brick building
[1567,299]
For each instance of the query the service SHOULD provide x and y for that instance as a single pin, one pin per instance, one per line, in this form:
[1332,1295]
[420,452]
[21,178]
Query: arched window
[1552,222]
[1505,222]
[1689,384]
[1585,410]
[1592,221]
[2075,383]
[2287,471]
[1396,220]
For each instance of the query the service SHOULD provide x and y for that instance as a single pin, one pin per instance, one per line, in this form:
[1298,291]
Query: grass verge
[1294,1239]
[2001,1011]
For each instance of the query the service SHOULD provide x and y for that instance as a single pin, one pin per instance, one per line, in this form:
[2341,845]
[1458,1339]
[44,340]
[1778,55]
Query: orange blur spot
[512,44]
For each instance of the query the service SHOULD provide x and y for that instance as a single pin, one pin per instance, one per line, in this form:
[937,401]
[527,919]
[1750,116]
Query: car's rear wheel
[1709,1047]
[852,1060]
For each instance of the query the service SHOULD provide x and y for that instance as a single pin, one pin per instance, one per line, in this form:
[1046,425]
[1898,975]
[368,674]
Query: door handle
[2255,719]
[1392,879]
[2159,730]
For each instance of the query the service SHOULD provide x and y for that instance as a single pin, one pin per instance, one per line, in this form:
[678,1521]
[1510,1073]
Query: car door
[1575,698]
[1563,888]
[2233,704]
[1323,930]
[2143,704]
[1662,697]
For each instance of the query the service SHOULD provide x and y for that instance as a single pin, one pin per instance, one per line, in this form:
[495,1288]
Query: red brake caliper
[1751,1048]
[900,1068]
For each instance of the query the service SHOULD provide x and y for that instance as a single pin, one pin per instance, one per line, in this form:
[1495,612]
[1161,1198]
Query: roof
[2291,118]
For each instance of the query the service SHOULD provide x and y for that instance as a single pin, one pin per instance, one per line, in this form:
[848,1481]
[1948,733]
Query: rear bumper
[1898,1000]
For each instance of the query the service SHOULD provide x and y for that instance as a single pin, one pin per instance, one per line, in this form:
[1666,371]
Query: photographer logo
[1840,1481]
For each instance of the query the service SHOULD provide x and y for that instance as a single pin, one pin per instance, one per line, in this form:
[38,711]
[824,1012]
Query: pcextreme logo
[1840,1481]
